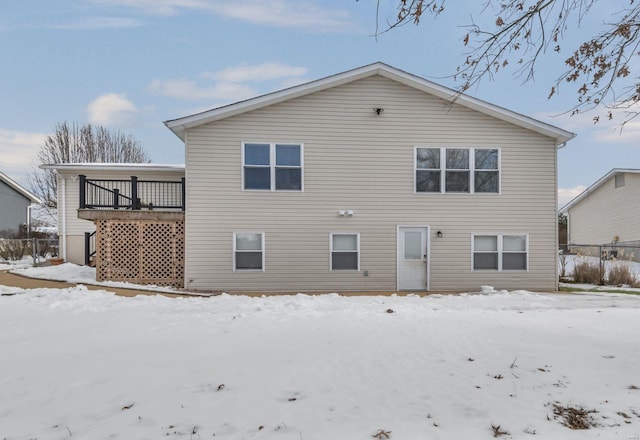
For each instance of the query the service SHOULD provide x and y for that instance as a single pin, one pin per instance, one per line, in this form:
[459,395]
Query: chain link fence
[39,249]
[611,264]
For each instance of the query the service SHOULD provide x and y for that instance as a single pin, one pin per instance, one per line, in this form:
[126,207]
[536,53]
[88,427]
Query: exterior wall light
[439,234]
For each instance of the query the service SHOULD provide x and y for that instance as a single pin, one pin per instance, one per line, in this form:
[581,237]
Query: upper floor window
[272,167]
[457,170]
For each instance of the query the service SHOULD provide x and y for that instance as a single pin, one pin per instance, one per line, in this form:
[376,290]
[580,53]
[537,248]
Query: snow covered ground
[7,265]
[79,364]
[73,273]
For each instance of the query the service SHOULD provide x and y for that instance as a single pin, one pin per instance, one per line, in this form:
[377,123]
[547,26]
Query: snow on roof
[180,125]
[113,167]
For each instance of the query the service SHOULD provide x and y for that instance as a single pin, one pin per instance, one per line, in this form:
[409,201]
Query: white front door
[412,258]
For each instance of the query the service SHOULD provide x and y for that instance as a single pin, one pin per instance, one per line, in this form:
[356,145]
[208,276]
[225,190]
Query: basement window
[248,251]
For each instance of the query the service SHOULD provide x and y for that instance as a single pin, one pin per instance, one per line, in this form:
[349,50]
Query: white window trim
[500,238]
[331,234]
[472,169]
[272,166]
[262,234]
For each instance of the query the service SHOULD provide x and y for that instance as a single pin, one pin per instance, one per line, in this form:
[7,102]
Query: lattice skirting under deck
[140,251]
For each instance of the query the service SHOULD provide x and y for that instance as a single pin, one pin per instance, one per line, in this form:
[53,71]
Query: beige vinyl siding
[76,227]
[357,160]
[607,212]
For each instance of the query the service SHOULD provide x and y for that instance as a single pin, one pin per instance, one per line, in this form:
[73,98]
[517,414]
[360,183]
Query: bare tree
[73,143]
[600,67]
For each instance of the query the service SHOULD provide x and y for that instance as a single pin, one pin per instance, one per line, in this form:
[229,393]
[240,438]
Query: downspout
[557,234]
[557,271]
[29,207]
[62,215]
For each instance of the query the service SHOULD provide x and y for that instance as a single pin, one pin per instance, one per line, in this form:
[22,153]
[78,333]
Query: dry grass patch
[621,274]
[586,273]
[497,432]
[574,417]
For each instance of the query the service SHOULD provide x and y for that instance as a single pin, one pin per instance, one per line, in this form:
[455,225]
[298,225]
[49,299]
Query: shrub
[14,249]
[562,259]
[620,273]
[586,272]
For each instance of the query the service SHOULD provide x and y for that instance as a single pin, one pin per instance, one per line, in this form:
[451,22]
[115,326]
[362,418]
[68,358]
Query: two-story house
[369,180]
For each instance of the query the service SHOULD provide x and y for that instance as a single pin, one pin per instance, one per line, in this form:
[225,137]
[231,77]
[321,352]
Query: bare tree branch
[524,30]
[72,143]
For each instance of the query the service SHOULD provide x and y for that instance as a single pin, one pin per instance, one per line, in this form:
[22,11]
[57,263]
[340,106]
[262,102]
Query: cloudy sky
[132,64]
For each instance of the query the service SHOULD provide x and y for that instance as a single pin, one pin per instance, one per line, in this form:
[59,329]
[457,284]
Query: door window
[413,245]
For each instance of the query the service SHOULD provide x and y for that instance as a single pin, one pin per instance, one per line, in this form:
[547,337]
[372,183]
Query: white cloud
[190,90]
[229,84]
[100,23]
[605,130]
[18,150]
[303,14]
[565,195]
[617,134]
[284,13]
[112,110]
[260,72]
[156,7]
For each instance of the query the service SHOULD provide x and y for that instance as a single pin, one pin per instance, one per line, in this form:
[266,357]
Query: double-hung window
[248,251]
[428,170]
[500,252]
[456,176]
[272,167]
[486,176]
[345,251]
[457,170]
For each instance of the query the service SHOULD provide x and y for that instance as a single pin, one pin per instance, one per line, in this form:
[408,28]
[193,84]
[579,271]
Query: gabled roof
[180,125]
[601,181]
[19,189]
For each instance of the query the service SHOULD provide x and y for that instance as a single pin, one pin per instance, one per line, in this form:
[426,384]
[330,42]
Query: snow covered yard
[73,273]
[80,364]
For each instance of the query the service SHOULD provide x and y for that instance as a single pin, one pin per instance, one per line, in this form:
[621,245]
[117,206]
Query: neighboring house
[72,229]
[14,205]
[608,211]
[370,180]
